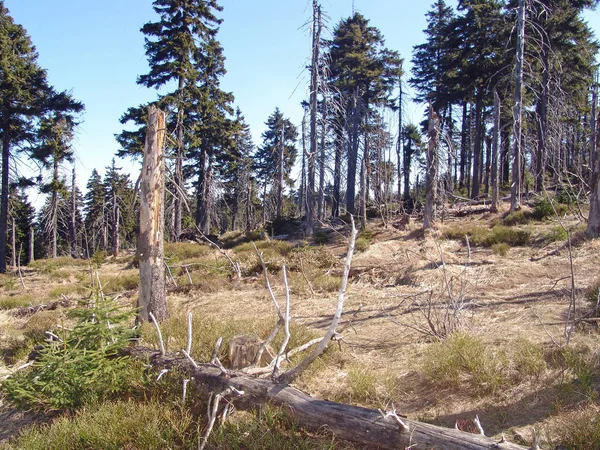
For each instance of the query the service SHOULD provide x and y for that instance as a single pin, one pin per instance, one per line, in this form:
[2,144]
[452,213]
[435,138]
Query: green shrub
[98,259]
[322,237]
[82,366]
[113,425]
[579,430]
[543,209]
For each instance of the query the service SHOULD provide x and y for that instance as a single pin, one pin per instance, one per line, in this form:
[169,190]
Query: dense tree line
[511,85]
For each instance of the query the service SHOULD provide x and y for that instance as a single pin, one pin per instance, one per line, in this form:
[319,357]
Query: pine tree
[117,188]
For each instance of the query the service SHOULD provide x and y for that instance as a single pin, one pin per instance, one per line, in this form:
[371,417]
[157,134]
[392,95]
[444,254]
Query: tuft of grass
[36,326]
[528,359]
[592,292]
[500,249]
[361,384]
[8,282]
[183,251]
[579,430]
[48,266]
[557,233]
[463,360]
[121,282]
[67,290]
[114,425]
[16,301]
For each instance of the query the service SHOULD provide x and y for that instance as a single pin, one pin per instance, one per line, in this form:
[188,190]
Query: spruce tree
[24,92]
[275,158]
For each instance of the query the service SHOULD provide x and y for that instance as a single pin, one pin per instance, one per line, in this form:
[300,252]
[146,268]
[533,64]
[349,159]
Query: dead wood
[30,310]
[352,423]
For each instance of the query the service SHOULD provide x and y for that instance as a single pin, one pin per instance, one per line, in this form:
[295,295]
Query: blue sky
[96,49]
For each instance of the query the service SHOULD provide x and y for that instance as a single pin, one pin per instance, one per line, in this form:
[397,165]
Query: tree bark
[352,423]
[477,146]
[352,155]
[280,171]
[515,191]
[432,171]
[115,227]
[399,145]
[337,170]
[314,85]
[150,244]
[73,224]
[31,245]
[4,198]
[593,226]
[13,256]
[495,148]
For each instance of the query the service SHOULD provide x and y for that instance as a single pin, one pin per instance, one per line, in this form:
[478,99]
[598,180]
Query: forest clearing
[407,259]
[504,359]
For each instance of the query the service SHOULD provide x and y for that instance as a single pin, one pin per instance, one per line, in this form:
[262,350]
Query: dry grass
[515,305]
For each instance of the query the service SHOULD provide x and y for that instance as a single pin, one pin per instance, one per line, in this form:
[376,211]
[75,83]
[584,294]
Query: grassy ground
[444,326]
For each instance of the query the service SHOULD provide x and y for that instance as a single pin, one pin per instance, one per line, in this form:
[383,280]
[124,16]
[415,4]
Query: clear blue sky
[96,49]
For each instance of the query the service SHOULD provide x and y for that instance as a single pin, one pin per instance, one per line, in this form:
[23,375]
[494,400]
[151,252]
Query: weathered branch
[352,423]
[292,374]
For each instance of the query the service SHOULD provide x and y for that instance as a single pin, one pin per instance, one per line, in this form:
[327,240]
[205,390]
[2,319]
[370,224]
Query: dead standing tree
[150,243]
[431,181]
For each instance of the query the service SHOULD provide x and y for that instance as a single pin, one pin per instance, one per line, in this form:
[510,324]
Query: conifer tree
[24,97]
[94,209]
[275,158]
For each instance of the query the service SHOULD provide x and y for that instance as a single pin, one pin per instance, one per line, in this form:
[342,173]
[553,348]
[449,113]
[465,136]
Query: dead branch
[292,374]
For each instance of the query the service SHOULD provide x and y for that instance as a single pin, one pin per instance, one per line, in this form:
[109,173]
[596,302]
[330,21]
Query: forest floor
[443,327]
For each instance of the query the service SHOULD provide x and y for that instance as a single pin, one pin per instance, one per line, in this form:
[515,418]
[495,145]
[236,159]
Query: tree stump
[243,349]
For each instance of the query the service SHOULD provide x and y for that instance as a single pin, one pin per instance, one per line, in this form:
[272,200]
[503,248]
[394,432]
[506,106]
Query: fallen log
[352,423]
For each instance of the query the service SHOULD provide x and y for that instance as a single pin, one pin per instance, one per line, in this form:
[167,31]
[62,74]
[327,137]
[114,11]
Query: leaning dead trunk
[150,242]
[431,176]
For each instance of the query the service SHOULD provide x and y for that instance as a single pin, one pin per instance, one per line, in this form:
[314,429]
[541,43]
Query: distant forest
[511,89]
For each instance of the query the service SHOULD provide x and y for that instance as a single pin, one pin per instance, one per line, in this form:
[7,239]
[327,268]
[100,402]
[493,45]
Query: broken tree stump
[243,349]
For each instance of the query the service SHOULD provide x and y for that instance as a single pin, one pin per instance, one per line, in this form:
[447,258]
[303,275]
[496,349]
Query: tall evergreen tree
[24,95]
[275,158]
[364,73]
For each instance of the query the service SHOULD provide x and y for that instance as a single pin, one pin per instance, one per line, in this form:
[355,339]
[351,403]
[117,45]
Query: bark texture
[150,244]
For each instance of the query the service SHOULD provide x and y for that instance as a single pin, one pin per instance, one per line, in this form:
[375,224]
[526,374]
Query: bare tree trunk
[73,224]
[249,208]
[540,160]
[303,172]
[352,155]
[477,145]
[431,174]
[150,244]
[31,245]
[495,148]
[399,145]
[13,256]
[115,227]
[54,212]
[593,226]
[314,85]
[363,194]
[337,170]
[515,191]
[179,164]
[280,171]
[324,128]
